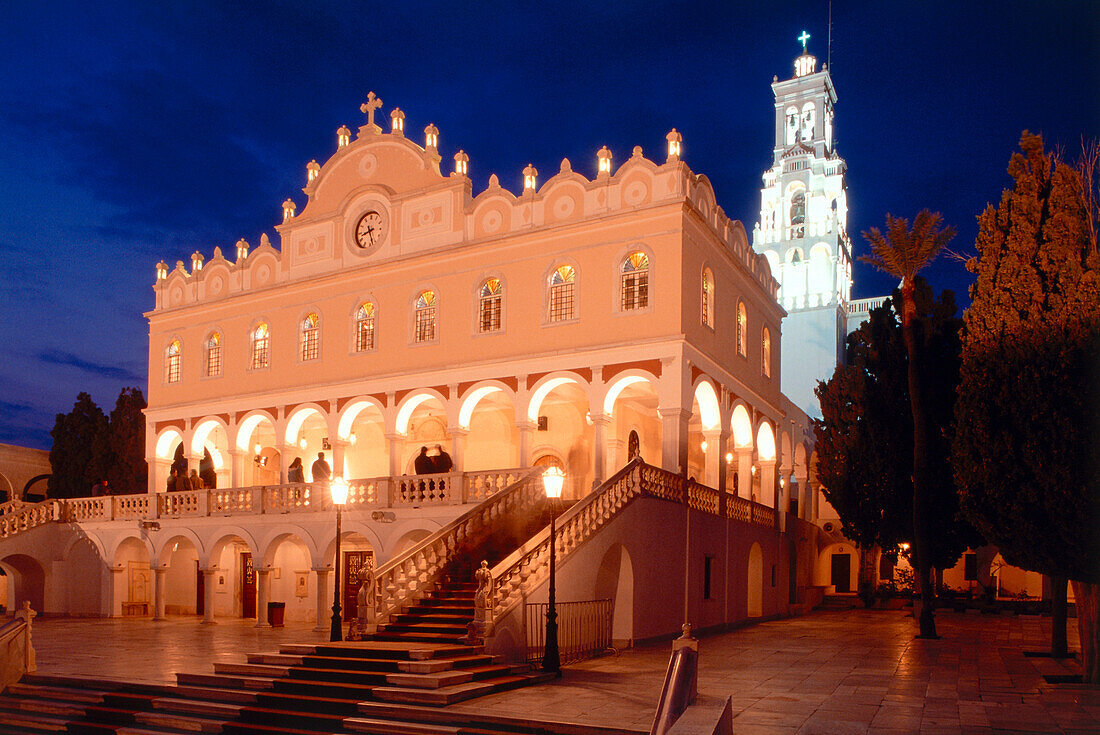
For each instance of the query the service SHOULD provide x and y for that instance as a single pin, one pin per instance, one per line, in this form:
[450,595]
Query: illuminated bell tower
[803,230]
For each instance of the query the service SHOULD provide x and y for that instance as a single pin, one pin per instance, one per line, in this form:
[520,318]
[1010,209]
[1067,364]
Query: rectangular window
[635,290]
[214,361]
[490,314]
[310,345]
[173,368]
[364,335]
[259,353]
[561,302]
[708,564]
[425,324]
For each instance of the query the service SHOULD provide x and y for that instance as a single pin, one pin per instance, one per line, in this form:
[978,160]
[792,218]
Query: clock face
[370,231]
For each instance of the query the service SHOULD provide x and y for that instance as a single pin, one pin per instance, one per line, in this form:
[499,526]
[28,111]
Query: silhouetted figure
[171,487]
[321,470]
[423,464]
[296,473]
[442,460]
[195,481]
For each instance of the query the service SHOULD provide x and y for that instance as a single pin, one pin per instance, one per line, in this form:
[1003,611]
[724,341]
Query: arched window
[562,284]
[213,355]
[634,287]
[172,361]
[425,316]
[795,256]
[808,120]
[489,300]
[364,327]
[708,297]
[310,337]
[261,344]
[798,214]
[792,125]
[633,445]
[766,352]
[742,329]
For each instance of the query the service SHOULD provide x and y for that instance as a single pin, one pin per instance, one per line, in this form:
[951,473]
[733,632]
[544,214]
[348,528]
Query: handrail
[679,689]
[17,655]
[407,576]
[10,628]
[30,516]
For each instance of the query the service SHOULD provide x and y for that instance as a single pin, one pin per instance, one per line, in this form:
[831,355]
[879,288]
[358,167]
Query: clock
[370,231]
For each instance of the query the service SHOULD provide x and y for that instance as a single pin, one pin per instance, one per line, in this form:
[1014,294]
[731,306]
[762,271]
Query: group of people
[179,481]
[433,464]
[321,470]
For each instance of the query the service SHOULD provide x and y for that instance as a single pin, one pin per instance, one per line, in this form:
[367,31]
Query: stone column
[158,475]
[803,496]
[768,495]
[744,472]
[284,459]
[160,590]
[600,422]
[237,458]
[396,444]
[674,438]
[714,457]
[526,433]
[458,448]
[339,451]
[118,590]
[263,592]
[208,582]
[324,600]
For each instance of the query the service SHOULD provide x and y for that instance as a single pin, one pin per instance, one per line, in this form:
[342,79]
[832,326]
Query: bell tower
[803,229]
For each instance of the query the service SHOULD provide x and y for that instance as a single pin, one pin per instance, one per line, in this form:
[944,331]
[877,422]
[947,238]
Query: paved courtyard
[830,672]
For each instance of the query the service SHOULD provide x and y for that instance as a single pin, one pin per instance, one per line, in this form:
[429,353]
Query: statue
[483,598]
[366,601]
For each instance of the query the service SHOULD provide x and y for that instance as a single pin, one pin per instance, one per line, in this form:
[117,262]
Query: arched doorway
[615,582]
[26,580]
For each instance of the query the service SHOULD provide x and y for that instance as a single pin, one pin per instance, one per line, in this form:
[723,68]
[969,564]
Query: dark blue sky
[131,132]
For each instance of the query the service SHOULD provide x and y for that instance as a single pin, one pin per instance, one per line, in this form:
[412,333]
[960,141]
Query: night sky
[132,132]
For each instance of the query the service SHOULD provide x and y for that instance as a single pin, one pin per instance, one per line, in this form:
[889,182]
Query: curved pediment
[390,160]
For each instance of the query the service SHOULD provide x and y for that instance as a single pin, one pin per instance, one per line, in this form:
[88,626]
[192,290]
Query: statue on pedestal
[484,600]
[367,601]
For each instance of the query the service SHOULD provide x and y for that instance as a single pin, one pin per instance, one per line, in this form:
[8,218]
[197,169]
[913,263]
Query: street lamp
[552,481]
[339,490]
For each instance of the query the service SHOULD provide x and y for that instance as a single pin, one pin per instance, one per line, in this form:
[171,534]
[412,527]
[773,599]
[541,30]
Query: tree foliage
[81,453]
[865,437]
[1027,447]
[129,472]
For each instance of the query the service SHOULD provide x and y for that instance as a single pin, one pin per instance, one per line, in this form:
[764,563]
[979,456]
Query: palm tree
[903,253]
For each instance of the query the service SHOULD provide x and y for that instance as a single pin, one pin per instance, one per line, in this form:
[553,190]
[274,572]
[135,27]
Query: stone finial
[265,241]
[565,167]
[461,159]
[494,182]
[289,208]
[530,176]
[180,267]
[603,161]
[242,249]
[196,261]
[343,136]
[397,122]
[637,152]
[313,170]
[431,137]
[674,144]
[162,270]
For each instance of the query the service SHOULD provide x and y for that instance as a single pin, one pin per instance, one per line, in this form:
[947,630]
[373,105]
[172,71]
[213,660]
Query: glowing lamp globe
[552,482]
[339,490]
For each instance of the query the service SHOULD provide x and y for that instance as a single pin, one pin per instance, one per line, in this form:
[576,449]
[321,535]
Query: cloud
[67,359]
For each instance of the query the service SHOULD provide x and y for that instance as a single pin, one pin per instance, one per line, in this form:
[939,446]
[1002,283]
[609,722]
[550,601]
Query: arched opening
[422,418]
[306,434]
[489,415]
[256,438]
[739,460]
[702,429]
[182,578]
[838,568]
[26,581]
[212,441]
[86,579]
[635,428]
[755,592]
[363,427]
[559,407]
[234,577]
[615,582]
[133,593]
[356,551]
[288,562]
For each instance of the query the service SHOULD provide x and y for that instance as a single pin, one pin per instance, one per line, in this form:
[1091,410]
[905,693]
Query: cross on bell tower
[804,38]
[372,104]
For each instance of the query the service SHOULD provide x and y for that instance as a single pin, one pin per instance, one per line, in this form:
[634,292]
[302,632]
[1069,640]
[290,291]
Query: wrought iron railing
[584,629]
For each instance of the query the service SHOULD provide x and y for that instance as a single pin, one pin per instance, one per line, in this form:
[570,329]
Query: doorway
[353,562]
[248,586]
[842,573]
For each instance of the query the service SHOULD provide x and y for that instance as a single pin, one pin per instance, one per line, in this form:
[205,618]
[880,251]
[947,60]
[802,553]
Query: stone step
[67,694]
[49,707]
[217,694]
[201,707]
[422,637]
[450,678]
[467,610]
[450,694]
[310,688]
[230,669]
[447,619]
[432,666]
[444,629]
[229,682]
[25,722]
[290,720]
[274,659]
[401,650]
[389,727]
[348,676]
[468,721]
[172,723]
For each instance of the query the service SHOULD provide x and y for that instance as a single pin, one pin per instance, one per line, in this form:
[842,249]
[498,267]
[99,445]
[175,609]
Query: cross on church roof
[804,38]
[372,104]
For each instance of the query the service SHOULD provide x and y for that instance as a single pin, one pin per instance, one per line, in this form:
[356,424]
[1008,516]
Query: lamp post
[339,490]
[552,481]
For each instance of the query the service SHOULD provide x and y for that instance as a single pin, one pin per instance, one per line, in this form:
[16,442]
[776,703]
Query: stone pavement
[830,672]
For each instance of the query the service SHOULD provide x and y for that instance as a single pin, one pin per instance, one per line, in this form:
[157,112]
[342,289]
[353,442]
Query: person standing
[423,464]
[442,461]
[321,470]
[194,480]
[296,473]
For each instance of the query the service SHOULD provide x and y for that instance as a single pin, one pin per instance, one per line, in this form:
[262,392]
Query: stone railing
[16,648]
[28,517]
[12,506]
[408,576]
[529,565]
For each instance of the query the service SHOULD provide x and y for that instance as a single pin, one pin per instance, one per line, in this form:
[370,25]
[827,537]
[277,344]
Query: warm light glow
[339,490]
[302,443]
[343,136]
[353,438]
[703,445]
[288,209]
[461,159]
[196,261]
[431,136]
[904,546]
[466,413]
[256,449]
[674,140]
[530,175]
[553,479]
[754,469]
[729,457]
[603,160]
[397,121]
[162,270]
[313,170]
[242,249]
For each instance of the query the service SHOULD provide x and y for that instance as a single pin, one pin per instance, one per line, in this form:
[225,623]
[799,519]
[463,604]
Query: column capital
[393,436]
[458,431]
[319,569]
[526,425]
[674,412]
[600,418]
